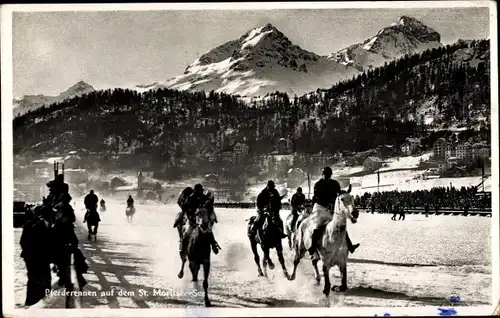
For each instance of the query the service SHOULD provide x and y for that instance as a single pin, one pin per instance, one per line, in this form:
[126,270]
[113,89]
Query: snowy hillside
[261,61]
[31,102]
[407,36]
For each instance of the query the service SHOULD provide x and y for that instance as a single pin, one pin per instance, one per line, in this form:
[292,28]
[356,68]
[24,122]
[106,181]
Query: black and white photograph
[255,159]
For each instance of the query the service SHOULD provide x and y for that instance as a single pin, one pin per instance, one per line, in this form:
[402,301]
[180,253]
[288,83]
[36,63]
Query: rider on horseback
[325,194]
[269,197]
[91,216]
[298,201]
[181,201]
[103,203]
[196,200]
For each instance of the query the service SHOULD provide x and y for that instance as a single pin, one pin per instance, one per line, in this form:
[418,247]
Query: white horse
[291,229]
[332,248]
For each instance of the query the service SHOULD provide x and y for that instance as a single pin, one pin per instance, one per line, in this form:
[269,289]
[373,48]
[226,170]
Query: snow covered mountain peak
[264,60]
[261,61]
[406,36]
[31,102]
[78,89]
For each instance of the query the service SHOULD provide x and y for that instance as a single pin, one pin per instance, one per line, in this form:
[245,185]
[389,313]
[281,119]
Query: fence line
[445,211]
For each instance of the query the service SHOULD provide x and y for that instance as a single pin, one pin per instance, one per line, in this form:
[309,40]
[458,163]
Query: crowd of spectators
[388,201]
[465,198]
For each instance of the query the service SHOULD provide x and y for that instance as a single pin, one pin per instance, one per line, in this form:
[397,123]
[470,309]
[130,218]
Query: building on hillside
[451,162]
[212,178]
[241,149]
[385,151]
[464,152]
[117,182]
[411,146]
[76,176]
[283,146]
[210,157]
[227,156]
[439,148]
[151,184]
[451,150]
[372,164]
[481,150]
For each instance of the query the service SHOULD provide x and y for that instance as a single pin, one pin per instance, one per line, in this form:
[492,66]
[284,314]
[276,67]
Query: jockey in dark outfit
[269,197]
[298,201]
[130,201]
[181,201]
[103,204]
[326,191]
[196,200]
[91,201]
[92,216]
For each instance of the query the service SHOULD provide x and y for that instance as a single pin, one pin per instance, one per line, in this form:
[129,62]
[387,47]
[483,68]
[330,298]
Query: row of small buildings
[240,150]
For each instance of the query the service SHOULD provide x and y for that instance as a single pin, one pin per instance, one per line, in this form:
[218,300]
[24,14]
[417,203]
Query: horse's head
[345,205]
[202,217]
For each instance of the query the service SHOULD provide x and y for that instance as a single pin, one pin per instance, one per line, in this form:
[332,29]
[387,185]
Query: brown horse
[268,236]
[199,249]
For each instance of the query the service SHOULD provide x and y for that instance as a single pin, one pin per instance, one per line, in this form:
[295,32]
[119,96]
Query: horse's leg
[179,230]
[89,228]
[290,240]
[192,268]
[265,258]
[206,273]
[328,285]
[317,277]
[281,259]
[270,262]
[196,272]
[183,259]
[96,226]
[299,253]
[256,255]
[343,273]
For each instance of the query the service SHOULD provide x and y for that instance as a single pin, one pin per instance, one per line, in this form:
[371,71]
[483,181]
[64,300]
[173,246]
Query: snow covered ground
[419,261]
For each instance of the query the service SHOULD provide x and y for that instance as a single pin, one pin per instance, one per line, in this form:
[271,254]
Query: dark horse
[199,248]
[268,236]
[92,218]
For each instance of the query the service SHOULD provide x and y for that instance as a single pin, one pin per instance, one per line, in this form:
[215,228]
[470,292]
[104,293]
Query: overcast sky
[54,50]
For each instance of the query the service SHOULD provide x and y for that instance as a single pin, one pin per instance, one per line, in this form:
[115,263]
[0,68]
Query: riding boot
[350,246]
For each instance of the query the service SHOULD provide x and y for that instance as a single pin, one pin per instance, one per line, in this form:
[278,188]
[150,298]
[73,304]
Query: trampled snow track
[419,261]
